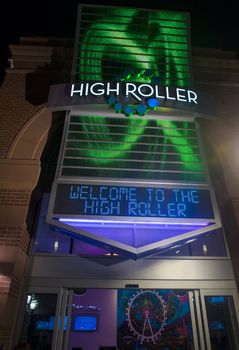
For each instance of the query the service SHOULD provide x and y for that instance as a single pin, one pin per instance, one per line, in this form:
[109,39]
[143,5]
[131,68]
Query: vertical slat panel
[111,40]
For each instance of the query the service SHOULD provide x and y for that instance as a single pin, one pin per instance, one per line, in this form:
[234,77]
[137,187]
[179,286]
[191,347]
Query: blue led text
[135,201]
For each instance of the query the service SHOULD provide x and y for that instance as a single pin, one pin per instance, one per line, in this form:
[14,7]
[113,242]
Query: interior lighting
[157,223]
[112,254]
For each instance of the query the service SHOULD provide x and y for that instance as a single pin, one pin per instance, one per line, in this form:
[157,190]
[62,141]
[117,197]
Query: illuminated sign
[137,184]
[62,96]
[132,201]
[135,90]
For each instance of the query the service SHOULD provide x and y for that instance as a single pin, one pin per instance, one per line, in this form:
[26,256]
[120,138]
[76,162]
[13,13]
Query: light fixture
[158,223]
[33,304]
[112,254]
[56,246]
[205,249]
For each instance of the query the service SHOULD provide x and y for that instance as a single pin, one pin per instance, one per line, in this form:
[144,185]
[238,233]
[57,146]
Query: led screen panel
[85,323]
[132,148]
[111,40]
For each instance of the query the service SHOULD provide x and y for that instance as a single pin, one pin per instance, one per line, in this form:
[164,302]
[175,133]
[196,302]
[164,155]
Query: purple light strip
[87,221]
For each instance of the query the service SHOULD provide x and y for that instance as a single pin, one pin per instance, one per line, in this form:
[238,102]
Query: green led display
[111,42]
[132,148]
[113,39]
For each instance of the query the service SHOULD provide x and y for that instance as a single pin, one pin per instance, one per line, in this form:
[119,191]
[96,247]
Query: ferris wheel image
[146,315]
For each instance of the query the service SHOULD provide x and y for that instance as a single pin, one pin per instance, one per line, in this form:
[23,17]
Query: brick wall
[14,236]
[33,71]
[9,293]
[18,197]
[14,109]
[4,285]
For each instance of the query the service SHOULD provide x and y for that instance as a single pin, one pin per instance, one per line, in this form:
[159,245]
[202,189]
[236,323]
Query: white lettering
[109,90]
[86,89]
[180,97]
[167,94]
[192,96]
[132,92]
[143,86]
[98,91]
[157,93]
[138,91]
[73,91]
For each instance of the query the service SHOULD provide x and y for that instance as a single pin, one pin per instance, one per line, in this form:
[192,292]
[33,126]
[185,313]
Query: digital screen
[40,325]
[114,39]
[124,201]
[85,323]
[49,324]
[113,147]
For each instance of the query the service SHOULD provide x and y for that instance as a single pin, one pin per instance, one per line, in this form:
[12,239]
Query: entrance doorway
[145,319]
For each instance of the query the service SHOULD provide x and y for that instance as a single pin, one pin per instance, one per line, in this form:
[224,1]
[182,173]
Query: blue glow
[128,110]
[85,323]
[118,107]
[42,325]
[156,223]
[217,299]
[49,324]
[153,103]
[141,109]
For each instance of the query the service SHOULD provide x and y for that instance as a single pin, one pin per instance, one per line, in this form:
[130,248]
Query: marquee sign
[64,96]
[134,90]
[133,185]
[132,202]
[134,220]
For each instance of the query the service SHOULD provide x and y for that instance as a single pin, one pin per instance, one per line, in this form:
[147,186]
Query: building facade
[156,277]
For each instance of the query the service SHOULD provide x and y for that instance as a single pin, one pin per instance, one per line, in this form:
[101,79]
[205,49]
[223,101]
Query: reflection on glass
[222,322]
[210,244]
[39,320]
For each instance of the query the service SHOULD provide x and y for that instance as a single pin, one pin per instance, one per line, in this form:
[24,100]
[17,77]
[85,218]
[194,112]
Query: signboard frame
[127,250]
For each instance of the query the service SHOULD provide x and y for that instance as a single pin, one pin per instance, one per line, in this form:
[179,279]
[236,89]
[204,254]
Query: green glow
[110,155]
[96,142]
[190,160]
[112,38]
[111,41]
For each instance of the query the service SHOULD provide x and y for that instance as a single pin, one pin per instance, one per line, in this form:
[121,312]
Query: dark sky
[211,26]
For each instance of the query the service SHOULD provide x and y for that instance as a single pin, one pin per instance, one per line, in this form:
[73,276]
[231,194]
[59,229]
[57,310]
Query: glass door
[156,319]
[220,310]
[63,320]
[146,319]
[126,319]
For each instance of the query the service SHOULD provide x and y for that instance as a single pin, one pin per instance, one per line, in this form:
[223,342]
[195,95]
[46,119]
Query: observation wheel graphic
[146,315]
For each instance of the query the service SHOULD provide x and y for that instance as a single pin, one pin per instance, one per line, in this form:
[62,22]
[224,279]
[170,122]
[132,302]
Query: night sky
[211,26]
